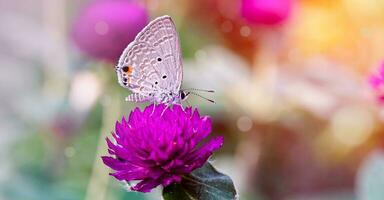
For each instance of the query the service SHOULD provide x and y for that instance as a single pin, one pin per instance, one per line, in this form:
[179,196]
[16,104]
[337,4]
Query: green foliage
[203,183]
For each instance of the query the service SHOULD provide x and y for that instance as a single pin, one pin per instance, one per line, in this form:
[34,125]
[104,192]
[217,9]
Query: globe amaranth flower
[376,80]
[103,28]
[266,12]
[159,145]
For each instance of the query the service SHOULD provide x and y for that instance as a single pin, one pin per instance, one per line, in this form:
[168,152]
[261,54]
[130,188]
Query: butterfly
[151,65]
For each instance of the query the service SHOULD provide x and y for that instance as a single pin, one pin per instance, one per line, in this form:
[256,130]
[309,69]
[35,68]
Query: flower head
[376,80]
[266,12]
[103,28]
[159,145]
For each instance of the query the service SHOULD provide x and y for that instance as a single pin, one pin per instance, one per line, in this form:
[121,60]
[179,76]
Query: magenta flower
[267,12]
[376,80]
[158,146]
[104,28]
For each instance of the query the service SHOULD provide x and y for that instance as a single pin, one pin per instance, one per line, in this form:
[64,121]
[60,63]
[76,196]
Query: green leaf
[205,183]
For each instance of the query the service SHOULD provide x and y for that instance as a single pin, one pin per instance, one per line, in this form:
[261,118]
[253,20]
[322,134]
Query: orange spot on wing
[128,70]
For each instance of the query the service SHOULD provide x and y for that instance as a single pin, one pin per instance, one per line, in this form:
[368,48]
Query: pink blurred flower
[267,12]
[104,28]
[376,80]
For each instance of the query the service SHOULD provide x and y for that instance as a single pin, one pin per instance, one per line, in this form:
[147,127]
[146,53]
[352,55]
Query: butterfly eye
[156,83]
[164,77]
[159,59]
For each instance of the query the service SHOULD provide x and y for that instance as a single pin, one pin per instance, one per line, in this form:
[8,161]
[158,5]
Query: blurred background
[299,118]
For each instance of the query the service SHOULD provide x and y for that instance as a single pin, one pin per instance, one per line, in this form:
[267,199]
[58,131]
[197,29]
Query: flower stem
[99,180]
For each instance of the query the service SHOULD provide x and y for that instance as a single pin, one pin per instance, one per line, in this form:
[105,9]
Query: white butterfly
[151,65]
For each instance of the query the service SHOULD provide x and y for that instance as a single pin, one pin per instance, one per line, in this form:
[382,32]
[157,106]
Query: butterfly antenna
[210,100]
[189,105]
[200,90]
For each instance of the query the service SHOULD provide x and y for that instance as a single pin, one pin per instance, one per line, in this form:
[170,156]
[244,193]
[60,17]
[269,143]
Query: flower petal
[146,185]
[115,164]
[170,179]
[201,155]
[131,174]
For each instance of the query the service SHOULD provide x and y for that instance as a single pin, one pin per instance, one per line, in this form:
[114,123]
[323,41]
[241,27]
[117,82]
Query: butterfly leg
[166,107]
[154,106]
[180,103]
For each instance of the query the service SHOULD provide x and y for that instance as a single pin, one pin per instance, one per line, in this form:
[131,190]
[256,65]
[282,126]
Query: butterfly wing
[152,63]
